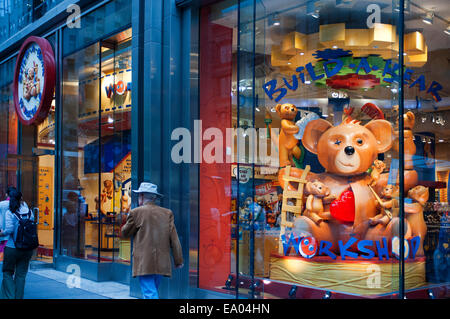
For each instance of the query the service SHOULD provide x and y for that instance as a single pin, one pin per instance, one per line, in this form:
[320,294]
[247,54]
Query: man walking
[155,236]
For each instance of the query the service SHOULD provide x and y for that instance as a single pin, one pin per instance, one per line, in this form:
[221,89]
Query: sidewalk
[48,283]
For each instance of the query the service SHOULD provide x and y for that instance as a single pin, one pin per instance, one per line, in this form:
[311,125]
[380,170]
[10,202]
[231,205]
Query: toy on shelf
[414,204]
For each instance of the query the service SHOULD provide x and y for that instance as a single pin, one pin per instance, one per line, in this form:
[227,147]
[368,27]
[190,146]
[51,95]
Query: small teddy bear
[377,168]
[389,206]
[317,193]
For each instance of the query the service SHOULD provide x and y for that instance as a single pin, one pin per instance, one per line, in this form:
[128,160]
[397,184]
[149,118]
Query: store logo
[34,80]
[336,62]
[119,88]
[73,20]
[74,279]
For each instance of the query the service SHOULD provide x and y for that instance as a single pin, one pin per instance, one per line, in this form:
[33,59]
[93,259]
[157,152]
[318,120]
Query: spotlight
[327,295]
[430,294]
[428,18]
[293,292]
[312,9]
[447,30]
[274,20]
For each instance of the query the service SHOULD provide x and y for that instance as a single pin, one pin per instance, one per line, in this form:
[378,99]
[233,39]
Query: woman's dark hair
[15,200]
[10,189]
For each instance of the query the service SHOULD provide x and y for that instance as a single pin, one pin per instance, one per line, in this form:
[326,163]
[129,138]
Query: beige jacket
[155,236]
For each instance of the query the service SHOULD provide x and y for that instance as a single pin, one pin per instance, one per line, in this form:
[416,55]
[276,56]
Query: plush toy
[346,151]
[414,214]
[108,188]
[317,193]
[377,168]
[388,205]
[287,142]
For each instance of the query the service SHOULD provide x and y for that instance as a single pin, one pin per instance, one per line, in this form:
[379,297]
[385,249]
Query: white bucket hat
[148,188]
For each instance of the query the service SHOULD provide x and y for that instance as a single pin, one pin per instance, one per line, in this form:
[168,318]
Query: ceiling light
[312,10]
[447,30]
[441,140]
[428,18]
[273,19]
[110,120]
[307,82]
[302,53]
[334,47]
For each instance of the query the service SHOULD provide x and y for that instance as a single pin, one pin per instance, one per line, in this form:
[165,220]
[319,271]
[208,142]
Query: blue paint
[343,248]
[324,249]
[414,247]
[362,247]
[382,250]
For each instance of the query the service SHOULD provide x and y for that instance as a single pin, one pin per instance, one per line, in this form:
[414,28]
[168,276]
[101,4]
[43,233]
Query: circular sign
[34,80]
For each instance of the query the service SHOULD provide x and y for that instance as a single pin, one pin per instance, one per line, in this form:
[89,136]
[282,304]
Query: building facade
[294,151]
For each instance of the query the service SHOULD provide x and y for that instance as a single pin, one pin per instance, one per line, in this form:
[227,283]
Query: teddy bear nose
[349,150]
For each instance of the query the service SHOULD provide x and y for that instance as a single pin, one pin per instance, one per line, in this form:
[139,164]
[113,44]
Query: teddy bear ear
[278,108]
[313,132]
[382,130]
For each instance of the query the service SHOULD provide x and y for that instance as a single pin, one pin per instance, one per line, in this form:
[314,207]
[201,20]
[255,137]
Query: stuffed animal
[414,214]
[346,151]
[389,206]
[377,168]
[287,142]
[317,193]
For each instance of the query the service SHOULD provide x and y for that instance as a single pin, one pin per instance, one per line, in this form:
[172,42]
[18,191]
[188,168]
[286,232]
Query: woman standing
[4,206]
[15,262]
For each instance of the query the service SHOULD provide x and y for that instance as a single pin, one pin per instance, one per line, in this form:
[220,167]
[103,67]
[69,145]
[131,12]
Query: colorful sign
[308,247]
[34,80]
[341,71]
[45,199]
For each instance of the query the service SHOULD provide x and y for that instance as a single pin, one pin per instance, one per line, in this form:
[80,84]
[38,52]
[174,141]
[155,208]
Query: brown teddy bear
[318,194]
[377,168]
[389,206]
[287,143]
[414,214]
[346,151]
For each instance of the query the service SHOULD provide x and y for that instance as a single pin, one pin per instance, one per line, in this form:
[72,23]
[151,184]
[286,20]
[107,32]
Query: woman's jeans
[15,268]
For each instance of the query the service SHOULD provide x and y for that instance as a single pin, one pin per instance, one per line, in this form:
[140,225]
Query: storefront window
[303,193]
[8,131]
[96,177]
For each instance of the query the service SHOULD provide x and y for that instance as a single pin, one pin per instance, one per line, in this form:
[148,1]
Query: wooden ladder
[296,195]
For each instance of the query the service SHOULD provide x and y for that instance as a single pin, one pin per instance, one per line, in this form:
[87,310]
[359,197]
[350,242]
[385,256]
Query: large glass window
[96,169]
[300,156]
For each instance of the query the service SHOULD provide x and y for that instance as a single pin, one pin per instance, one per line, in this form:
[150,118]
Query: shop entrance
[35,179]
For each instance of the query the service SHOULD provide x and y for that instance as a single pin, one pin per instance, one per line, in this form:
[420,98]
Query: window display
[307,96]
[97,180]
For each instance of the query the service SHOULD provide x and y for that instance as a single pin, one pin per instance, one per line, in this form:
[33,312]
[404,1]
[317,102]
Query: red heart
[343,208]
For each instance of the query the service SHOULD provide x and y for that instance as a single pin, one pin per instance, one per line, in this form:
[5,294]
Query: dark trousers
[15,268]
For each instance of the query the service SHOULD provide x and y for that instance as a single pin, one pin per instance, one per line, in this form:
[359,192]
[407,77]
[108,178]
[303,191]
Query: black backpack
[27,238]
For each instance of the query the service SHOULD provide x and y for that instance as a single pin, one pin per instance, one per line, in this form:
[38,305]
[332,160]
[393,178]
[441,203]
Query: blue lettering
[343,248]
[294,85]
[109,90]
[390,71]
[415,242]
[311,72]
[382,251]
[288,244]
[407,75]
[434,87]
[324,249]
[362,248]
[271,91]
[365,65]
[421,81]
[302,76]
[336,69]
